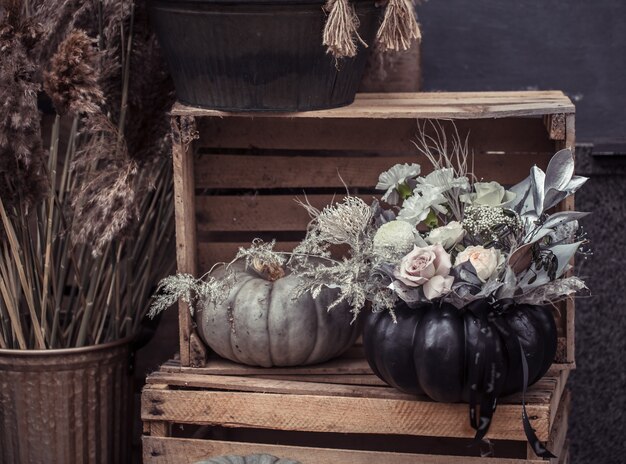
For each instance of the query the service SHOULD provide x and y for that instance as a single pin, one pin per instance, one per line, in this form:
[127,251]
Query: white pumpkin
[262,323]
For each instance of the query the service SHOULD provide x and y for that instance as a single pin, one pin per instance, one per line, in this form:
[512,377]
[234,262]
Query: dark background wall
[578,46]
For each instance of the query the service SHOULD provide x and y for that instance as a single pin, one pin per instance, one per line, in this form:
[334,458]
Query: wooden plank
[422,105]
[341,414]
[511,135]
[302,172]
[218,366]
[258,212]
[160,428]
[334,379]
[184,210]
[558,434]
[188,451]
[546,391]
[265,385]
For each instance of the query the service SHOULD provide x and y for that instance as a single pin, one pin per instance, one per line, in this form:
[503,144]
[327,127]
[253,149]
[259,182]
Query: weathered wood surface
[188,451]
[255,401]
[225,172]
[281,411]
[507,136]
[184,212]
[460,105]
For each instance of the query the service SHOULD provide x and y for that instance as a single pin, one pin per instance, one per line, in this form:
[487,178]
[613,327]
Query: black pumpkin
[472,355]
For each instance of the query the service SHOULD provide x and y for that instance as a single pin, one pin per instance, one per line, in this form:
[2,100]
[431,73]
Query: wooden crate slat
[541,392]
[254,384]
[188,451]
[424,105]
[394,136]
[220,366]
[341,414]
[258,212]
[302,172]
[184,211]
[558,434]
[355,379]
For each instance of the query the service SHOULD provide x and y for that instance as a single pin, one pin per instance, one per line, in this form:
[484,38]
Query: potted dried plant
[85,224]
[261,55]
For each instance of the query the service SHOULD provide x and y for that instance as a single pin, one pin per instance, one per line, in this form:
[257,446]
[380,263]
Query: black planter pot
[443,352]
[258,55]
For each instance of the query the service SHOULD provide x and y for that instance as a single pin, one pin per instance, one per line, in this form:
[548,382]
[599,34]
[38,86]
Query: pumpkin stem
[270,271]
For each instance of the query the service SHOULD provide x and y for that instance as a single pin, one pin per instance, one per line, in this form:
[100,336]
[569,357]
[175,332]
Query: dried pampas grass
[21,152]
[72,82]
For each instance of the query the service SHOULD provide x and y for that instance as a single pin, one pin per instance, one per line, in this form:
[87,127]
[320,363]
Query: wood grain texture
[461,105]
[302,172]
[184,212]
[558,434]
[521,135]
[218,366]
[259,212]
[340,414]
[188,451]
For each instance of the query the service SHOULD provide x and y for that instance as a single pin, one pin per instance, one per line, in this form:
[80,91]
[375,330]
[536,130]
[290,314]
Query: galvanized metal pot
[258,55]
[66,406]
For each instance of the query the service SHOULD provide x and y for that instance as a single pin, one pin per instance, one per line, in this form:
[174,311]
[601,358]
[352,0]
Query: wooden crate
[337,412]
[236,174]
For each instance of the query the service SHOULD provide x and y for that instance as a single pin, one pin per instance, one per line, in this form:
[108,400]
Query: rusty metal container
[66,406]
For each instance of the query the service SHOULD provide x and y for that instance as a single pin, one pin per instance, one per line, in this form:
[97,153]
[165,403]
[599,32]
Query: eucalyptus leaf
[534,278]
[523,200]
[562,217]
[564,253]
[537,179]
[560,170]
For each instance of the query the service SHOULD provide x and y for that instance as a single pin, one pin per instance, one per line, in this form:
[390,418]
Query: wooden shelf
[440,105]
[352,398]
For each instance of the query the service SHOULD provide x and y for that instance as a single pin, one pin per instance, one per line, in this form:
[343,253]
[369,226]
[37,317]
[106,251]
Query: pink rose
[428,267]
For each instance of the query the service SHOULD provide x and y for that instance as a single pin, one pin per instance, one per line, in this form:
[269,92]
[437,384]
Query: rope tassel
[399,27]
[341,29]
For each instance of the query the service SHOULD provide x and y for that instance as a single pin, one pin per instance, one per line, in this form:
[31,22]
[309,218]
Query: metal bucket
[66,406]
[258,55]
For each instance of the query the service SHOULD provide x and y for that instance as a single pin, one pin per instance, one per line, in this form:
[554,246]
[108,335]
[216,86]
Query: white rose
[486,261]
[447,236]
[488,194]
[428,267]
[397,236]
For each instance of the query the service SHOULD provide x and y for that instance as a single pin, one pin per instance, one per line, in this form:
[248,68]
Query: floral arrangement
[446,237]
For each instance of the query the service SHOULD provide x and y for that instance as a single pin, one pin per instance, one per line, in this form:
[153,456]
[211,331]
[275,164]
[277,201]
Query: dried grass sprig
[21,152]
[446,152]
[72,81]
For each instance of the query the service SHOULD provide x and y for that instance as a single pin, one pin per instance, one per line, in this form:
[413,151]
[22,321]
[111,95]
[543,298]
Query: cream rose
[428,267]
[486,261]
[447,236]
[488,194]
